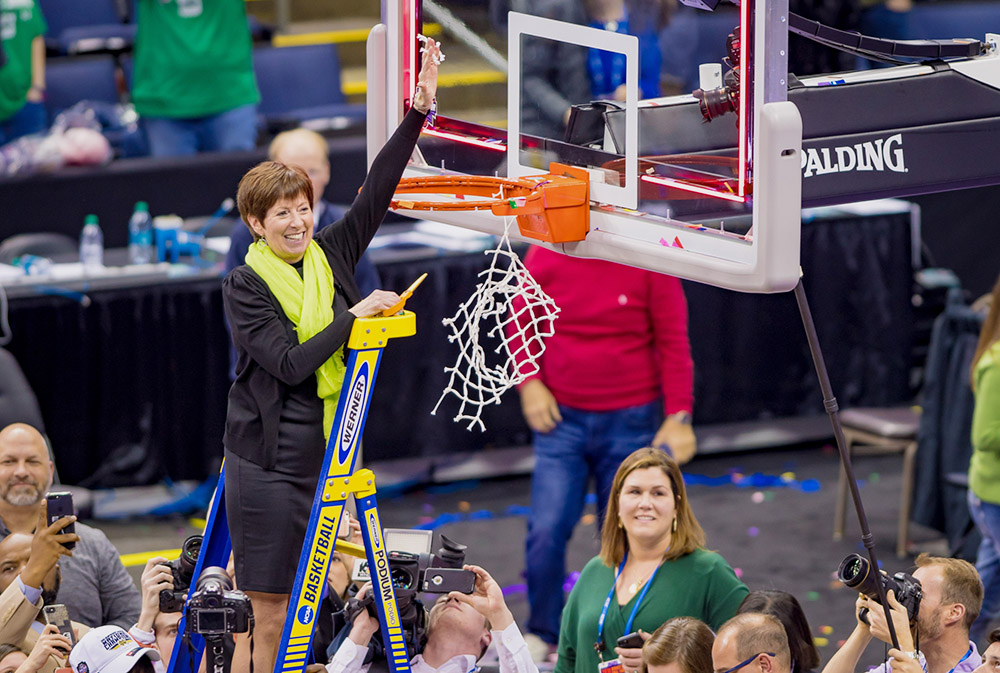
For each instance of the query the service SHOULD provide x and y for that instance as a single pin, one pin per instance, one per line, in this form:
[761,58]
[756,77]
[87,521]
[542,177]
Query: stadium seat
[300,86]
[71,80]
[85,26]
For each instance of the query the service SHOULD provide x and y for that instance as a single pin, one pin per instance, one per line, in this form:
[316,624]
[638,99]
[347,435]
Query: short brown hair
[684,640]
[757,633]
[961,584]
[689,535]
[267,183]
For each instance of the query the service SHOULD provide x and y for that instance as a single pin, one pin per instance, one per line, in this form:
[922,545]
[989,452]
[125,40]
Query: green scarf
[308,303]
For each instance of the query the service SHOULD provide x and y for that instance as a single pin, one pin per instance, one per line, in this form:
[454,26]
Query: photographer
[951,598]
[459,629]
[154,628]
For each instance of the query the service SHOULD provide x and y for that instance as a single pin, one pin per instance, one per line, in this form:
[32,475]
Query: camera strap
[599,645]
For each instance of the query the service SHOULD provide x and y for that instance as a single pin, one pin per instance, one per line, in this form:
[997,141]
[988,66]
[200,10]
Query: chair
[880,431]
[18,403]
[44,244]
[71,80]
[301,85]
[78,26]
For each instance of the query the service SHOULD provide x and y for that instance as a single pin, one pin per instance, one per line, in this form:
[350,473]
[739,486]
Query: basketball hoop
[508,308]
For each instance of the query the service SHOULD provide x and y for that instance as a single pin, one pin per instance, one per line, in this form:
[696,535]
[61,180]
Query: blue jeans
[987,518]
[29,119]
[234,129]
[585,443]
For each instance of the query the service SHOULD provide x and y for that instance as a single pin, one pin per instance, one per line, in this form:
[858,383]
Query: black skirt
[268,510]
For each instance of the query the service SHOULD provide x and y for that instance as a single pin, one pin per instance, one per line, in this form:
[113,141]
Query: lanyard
[967,655]
[599,645]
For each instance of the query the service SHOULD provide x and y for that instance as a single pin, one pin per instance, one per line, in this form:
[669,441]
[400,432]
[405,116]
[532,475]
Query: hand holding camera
[156,578]
[900,621]
[365,623]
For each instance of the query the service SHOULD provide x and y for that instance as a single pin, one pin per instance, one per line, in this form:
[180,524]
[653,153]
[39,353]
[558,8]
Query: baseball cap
[108,649]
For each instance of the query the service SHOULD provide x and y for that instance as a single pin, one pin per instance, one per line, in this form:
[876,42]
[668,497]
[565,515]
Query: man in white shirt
[459,629]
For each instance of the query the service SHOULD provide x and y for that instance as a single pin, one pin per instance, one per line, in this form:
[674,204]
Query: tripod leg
[830,403]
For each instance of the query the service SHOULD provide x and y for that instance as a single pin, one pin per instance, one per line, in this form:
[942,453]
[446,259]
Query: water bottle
[34,265]
[140,235]
[91,244]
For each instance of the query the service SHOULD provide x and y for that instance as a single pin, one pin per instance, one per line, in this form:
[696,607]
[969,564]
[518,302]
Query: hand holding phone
[57,616]
[632,641]
[58,505]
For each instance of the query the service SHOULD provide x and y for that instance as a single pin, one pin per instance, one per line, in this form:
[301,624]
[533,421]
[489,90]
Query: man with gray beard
[96,589]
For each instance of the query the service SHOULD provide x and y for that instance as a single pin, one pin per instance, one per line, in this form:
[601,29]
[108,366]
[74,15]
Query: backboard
[716,202]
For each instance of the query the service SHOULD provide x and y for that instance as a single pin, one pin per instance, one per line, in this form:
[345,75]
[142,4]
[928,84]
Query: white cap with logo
[108,649]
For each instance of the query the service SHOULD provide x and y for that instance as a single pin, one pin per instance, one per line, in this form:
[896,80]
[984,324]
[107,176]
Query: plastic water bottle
[140,235]
[34,265]
[91,244]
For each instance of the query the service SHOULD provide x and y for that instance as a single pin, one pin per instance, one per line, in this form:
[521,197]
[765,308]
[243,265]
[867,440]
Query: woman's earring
[674,527]
[621,524]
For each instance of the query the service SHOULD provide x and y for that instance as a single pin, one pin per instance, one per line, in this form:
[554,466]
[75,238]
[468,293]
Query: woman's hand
[375,303]
[631,657]
[427,80]
[50,643]
[679,437]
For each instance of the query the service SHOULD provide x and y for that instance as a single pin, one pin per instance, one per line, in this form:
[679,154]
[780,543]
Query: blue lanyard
[635,608]
[967,655]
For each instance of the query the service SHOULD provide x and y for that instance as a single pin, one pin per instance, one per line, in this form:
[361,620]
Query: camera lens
[855,572]
[715,102]
[401,579]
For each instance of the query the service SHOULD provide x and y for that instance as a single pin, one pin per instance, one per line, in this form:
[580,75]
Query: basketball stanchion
[339,481]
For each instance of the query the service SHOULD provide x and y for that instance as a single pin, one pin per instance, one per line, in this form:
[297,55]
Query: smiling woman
[651,545]
[291,308]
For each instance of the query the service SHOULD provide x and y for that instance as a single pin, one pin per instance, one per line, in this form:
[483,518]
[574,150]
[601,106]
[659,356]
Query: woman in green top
[653,566]
[984,468]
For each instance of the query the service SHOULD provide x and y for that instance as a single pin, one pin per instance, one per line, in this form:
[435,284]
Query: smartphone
[58,505]
[631,641]
[58,616]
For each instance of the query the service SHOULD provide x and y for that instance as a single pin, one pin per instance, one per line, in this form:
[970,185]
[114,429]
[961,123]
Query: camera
[216,608]
[182,568]
[439,573]
[717,102]
[856,572]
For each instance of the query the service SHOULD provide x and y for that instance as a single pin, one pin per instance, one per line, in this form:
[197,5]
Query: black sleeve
[351,235]
[260,330]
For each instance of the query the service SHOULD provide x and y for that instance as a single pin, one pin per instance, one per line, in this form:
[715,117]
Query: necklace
[635,586]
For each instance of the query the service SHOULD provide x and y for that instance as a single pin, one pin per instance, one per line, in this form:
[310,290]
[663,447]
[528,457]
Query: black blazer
[270,359]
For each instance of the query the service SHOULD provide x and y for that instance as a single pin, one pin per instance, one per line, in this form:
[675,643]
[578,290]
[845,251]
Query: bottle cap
[90,219]
[142,205]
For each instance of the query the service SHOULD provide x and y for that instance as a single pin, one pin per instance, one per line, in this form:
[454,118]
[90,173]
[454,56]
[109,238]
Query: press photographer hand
[900,621]
[155,578]
[903,663]
[486,599]
[365,625]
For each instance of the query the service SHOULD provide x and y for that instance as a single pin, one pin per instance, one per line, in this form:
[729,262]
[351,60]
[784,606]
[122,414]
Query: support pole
[832,409]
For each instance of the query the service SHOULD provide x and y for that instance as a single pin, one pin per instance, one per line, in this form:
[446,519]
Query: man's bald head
[307,150]
[745,637]
[25,467]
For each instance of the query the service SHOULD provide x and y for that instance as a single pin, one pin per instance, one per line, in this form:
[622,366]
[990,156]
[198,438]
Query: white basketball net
[490,315]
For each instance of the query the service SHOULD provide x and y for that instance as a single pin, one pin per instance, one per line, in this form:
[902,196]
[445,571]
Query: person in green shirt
[22,77]
[653,566]
[194,85]
[984,467]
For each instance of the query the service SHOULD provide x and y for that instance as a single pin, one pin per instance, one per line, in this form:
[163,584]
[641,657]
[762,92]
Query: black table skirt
[163,348]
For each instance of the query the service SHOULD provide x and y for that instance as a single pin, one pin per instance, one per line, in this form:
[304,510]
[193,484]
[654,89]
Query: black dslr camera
[182,569]
[856,572]
[215,608]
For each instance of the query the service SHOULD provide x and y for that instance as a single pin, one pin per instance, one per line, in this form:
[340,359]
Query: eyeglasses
[746,662]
